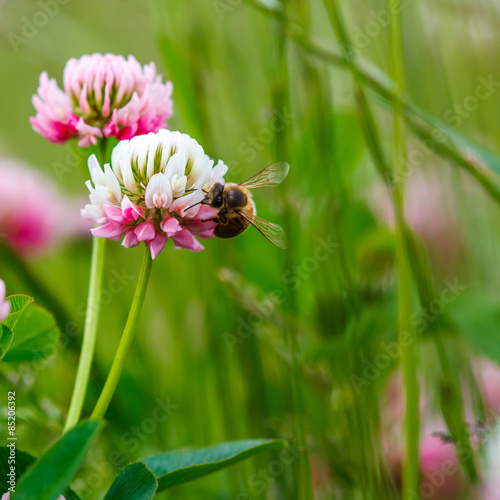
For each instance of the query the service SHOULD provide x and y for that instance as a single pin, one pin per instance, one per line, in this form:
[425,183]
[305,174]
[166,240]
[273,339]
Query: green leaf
[18,303]
[23,461]
[51,474]
[179,467]
[69,494]
[6,335]
[36,336]
[135,482]
[478,319]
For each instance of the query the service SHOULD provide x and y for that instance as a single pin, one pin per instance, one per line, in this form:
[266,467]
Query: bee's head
[214,198]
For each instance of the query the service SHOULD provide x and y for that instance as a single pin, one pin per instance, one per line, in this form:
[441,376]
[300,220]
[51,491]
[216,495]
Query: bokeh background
[254,85]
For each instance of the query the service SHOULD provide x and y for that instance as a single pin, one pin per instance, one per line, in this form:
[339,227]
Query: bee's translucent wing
[272,232]
[269,176]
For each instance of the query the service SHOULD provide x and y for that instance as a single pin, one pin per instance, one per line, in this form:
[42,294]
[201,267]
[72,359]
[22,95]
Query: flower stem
[89,333]
[405,285]
[91,321]
[125,342]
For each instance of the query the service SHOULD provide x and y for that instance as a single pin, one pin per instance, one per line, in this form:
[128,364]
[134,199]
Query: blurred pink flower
[440,472]
[145,193]
[33,215]
[429,212]
[104,95]
[488,377]
[4,304]
[441,476]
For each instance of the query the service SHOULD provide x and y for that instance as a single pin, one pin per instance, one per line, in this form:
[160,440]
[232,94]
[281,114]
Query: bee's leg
[214,219]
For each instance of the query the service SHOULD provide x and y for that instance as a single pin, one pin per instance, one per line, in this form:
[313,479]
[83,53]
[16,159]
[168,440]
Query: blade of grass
[366,116]
[372,137]
[410,479]
[280,97]
[451,396]
[405,289]
[383,87]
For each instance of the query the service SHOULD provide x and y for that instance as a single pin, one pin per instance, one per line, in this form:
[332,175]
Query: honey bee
[237,209]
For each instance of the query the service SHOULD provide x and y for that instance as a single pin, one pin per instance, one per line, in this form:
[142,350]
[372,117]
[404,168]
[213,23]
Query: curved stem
[89,333]
[125,342]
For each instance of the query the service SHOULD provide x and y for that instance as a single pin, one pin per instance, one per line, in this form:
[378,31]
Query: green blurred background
[234,71]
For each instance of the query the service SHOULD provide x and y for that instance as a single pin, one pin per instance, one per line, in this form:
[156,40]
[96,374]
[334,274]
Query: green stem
[449,384]
[126,340]
[91,321]
[367,118]
[89,333]
[405,291]
[280,97]
[374,143]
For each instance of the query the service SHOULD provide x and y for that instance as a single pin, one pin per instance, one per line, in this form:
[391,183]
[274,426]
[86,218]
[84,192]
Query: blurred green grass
[226,75]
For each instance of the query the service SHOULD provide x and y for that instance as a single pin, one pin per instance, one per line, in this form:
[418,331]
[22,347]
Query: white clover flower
[145,192]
